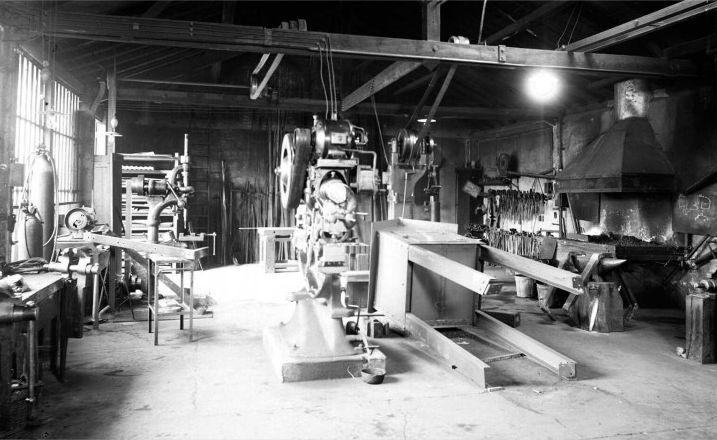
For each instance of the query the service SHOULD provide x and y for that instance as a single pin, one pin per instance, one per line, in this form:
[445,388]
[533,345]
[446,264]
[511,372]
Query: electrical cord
[577,19]
[333,74]
[378,125]
[557,44]
[323,85]
[482,17]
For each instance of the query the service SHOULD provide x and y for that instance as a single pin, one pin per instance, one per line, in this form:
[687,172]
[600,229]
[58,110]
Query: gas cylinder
[29,234]
[41,186]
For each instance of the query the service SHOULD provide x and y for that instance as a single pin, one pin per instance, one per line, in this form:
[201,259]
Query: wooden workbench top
[42,285]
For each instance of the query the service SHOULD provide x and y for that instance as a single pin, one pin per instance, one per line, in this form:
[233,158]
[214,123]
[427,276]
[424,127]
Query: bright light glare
[542,85]
[423,120]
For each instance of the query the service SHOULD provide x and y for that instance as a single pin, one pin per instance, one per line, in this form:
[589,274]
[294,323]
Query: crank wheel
[295,155]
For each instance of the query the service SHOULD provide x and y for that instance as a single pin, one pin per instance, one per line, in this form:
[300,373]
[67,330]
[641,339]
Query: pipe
[372,153]
[32,354]
[435,209]
[185,160]
[172,178]
[153,218]
[95,300]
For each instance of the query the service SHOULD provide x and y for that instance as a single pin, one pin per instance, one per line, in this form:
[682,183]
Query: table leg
[156,308]
[191,303]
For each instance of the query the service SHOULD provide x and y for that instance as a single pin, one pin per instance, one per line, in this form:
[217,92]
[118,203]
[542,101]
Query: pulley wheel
[295,155]
[407,145]
[503,163]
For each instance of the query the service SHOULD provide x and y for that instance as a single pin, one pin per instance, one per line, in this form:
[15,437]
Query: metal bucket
[524,286]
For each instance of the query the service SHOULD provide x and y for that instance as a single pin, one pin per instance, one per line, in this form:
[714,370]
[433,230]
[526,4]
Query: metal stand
[267,254]
[156,266]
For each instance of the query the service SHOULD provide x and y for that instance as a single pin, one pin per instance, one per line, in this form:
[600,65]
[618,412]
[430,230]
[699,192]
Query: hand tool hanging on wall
[518,206]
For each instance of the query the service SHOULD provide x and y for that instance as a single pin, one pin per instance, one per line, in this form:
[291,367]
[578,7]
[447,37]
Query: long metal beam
[143,246]
[458,273]
[229,37]
[166,96]
[562,279]
[559,364]
[450,354]
[644,25]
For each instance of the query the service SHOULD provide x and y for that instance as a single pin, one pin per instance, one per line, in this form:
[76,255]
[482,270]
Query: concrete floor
[119,385]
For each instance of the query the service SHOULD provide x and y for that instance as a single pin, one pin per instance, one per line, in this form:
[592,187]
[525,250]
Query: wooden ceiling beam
[703,44]
[202,99]
[644,25]
[219,36]
[430,30]
[156,9]
[522,23]
[385,78]
[414,84]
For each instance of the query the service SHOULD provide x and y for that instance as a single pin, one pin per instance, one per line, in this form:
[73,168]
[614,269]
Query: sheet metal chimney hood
[627,157]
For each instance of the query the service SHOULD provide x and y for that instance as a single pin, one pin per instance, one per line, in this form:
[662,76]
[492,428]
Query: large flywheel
[295,156]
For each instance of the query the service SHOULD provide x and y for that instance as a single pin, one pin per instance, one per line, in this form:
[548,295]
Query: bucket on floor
[543,290]
[524,286]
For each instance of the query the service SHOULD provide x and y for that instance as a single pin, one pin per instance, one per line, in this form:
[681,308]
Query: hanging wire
[567,24]
[331,79]
[378,124]
[482,18]
[570,38]
[323,85]
[333,75]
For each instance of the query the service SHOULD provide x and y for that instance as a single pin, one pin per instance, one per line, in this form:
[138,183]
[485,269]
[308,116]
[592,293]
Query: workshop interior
[358,219]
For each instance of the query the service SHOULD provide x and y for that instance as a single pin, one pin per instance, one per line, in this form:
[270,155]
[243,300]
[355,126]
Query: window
[64,146]
[31,109]
[100,138]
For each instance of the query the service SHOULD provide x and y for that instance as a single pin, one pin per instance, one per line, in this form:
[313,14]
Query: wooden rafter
[523,23]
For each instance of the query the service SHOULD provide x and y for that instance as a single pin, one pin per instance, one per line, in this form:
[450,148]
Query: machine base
[298,369]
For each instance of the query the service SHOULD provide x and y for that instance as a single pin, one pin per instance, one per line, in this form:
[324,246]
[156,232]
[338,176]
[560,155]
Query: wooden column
[107,189]
[431,20]
[700,327]
[8,90]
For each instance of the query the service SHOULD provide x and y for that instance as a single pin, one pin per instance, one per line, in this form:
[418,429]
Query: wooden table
[50,293]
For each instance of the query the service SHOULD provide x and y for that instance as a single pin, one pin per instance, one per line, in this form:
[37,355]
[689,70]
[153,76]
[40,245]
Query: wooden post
[8,91]
[700,327]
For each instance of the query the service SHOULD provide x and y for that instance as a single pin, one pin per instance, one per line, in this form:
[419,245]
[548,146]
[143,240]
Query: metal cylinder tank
[41,185]
[29,235]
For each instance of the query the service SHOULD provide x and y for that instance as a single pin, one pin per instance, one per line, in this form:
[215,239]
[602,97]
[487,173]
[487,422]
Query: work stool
[268,237]
[159,267]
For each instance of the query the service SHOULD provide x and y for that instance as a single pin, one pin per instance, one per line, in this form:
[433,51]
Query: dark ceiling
[567,21]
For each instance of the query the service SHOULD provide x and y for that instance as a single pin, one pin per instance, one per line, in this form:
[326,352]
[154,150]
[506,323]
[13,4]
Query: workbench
[50,293]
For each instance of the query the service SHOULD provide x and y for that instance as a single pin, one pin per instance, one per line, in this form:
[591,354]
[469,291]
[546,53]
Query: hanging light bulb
[542,85]
[113,124]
